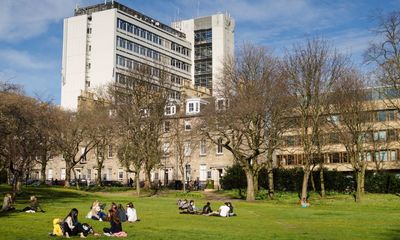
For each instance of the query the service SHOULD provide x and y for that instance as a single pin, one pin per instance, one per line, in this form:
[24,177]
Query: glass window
[188,126]
[187,149]
[391,115]
[203,147]
[393,155]
[120,175]
[203,172]
[166,126]
[381,116]
[219,146]
[166,146]
[110,151]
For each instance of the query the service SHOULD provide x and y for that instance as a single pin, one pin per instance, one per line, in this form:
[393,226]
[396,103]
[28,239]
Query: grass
[335,217]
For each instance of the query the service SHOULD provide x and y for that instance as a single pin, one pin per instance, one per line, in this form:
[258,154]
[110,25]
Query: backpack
[87,229]
[57,229]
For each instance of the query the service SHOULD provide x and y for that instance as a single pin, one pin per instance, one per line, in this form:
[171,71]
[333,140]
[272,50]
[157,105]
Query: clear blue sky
[31,30]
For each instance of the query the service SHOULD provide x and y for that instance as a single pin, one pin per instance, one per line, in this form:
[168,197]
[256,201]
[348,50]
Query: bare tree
[350,118]
[75,142]
[139,100]
[48,134]
[311,69]
[238,121]
[183,138]
[385,52]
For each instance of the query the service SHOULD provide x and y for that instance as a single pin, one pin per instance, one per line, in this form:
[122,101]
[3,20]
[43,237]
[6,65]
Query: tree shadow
[45,195]
[392,234]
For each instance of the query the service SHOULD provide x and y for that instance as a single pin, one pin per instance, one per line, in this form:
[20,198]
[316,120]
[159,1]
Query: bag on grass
[57,229]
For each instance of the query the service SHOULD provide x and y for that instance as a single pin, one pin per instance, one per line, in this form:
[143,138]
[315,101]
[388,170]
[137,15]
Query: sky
[31,30]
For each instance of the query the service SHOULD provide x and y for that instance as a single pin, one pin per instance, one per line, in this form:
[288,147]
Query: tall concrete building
[102,42]
[212,38]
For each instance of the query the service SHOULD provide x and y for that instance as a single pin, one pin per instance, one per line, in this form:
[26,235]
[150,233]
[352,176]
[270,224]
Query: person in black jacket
[115,222]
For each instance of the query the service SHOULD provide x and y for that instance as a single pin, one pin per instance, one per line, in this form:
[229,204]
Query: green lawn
[336,217]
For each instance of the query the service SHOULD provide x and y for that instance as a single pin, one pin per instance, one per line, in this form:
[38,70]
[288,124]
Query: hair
[73,214]
[113,215]
[130,204]
[208,203]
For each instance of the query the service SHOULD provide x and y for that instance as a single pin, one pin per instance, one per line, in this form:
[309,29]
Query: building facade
[212,38]
[105,43]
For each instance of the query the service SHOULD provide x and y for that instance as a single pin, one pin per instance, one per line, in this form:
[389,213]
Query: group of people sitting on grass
[33,206]
[189,207]
[96,212]
[70,226]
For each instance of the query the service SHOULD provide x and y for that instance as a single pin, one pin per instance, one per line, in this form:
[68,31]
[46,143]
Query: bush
[210,184]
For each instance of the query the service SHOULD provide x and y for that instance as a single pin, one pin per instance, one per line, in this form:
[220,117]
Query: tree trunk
[312,181]
[68,169]
[43,169]
[98,180]
[271,190]
[147,180]
[322,181]
[137,180]
[251,186]
[304,187]
[358,187]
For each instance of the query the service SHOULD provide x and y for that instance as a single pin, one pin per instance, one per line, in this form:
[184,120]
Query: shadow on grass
[45,194]
[393,234]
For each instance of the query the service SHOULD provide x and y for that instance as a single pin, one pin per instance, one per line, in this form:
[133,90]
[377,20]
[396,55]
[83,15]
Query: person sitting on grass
[115,222]
[95,212]
[304,203]
[191,209]
[71,225]
[184,204]
[207,209]
[121,213]
[7,203]
[34,206]
[223,211]
[131,213]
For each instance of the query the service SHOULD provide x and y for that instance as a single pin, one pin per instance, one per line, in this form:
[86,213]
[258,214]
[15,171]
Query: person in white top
[224,210]
[131,213]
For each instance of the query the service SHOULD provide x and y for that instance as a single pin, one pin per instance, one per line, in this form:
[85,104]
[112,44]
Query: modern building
[103,42]
[212,38]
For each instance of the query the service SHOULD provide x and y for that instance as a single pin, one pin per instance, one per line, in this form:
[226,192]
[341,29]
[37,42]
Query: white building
[213,40]
[102,41]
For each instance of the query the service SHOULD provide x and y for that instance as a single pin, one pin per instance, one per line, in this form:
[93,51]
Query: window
[380,136]
[219,146]
[188,172]
[62,174]
[193,107]
[381,116]
[120,174]
[203,147]
[188,126]
[391,115]
[110,151]
[187,149]
[334,119]
[170,110]
[203,172]
[166,146]
[334,158]
[393,155]
[89,173]
[166,126]
[50,174]
[381,156]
